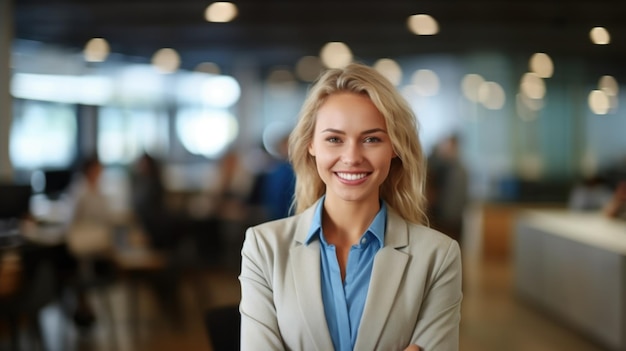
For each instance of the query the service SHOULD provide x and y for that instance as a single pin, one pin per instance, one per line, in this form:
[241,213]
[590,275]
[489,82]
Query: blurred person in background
[447,188]
[591,194]
[90,233]
[260,162]
[233,187]
[354,268]
[616,206]
[163,230]
[279,183]
[148,203]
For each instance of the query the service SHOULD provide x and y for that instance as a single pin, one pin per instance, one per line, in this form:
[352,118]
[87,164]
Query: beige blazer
[414,295]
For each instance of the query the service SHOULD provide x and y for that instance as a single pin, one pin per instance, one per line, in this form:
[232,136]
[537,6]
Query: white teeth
[351,176]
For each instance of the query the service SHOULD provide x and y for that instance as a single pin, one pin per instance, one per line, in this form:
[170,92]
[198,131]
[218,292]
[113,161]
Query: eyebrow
[369,131]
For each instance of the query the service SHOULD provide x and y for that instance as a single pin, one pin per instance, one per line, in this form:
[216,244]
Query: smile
[351,176]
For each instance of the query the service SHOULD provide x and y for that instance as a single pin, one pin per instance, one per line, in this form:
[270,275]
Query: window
[43,135]
[124,134]
[206,131]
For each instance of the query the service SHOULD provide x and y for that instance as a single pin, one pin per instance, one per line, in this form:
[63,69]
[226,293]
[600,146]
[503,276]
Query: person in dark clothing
[148,202]
[279,184]
[163,230]
[447,188]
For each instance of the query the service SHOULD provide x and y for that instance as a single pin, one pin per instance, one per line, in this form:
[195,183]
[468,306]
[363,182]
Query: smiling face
[352,149]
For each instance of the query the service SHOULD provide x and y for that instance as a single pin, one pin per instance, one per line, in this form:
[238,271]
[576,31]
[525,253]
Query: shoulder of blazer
[286,231]
[413,237]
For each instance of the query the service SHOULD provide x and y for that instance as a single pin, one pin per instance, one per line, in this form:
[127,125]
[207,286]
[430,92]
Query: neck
[345,222]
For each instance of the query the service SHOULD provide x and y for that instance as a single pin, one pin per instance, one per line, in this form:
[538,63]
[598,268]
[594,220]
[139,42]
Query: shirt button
[363,241]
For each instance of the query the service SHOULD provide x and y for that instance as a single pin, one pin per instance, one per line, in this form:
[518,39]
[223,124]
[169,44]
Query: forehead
[342,110]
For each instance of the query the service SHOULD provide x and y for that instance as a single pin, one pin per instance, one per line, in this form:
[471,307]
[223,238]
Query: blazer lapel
[387,273]
[305,266]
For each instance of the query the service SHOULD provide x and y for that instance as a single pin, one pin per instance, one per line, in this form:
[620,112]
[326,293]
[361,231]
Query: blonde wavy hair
[403,189]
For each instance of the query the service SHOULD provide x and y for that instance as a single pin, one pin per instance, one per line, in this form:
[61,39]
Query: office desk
[136,262]
[16,236]
[573,265]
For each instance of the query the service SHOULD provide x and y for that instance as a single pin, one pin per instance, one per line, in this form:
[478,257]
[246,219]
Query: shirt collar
[377,227]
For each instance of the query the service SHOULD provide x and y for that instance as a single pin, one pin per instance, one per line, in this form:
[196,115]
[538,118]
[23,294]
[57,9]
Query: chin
[355,197]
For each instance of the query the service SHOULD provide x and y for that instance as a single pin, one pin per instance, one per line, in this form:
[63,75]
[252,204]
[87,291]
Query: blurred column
[249,108]
[177,151]
[6,102]
[87,130]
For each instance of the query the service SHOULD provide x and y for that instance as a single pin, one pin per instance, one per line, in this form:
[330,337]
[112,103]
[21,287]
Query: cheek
[386,161]
[322,167]
[323,162]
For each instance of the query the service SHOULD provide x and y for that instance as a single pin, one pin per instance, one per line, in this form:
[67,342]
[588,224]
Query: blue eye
[333,140]
[372,140]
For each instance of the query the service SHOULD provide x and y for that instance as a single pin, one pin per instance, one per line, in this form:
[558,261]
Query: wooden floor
[493,319]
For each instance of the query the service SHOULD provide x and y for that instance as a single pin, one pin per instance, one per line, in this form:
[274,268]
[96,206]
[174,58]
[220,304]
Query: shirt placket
[341,306]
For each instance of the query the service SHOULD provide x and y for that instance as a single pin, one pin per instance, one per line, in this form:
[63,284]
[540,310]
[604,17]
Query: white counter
[591,228]
[573,266]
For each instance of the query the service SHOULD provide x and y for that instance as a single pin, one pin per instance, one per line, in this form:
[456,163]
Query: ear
[311,152]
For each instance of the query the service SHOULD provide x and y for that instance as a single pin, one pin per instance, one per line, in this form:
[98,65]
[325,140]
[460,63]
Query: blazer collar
[304,223]
[306,266]
[389,266]
[395,225]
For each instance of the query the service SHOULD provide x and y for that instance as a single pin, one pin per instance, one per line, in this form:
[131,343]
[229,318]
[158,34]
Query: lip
[353,181]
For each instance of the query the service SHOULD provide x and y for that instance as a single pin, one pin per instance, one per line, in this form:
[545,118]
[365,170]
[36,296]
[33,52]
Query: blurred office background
[533,90]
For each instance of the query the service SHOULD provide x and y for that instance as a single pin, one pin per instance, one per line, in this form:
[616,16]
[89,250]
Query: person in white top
[90,232]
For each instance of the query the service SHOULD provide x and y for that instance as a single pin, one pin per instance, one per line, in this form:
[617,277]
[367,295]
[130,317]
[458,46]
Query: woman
[89,236]
[355,268]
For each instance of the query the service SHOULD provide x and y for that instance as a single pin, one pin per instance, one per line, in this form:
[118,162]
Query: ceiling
[278,32]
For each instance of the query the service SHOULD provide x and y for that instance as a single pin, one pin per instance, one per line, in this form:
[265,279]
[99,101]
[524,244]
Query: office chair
[39,286]
[223,326]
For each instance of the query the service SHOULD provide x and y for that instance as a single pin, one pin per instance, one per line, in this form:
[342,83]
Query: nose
[352,154]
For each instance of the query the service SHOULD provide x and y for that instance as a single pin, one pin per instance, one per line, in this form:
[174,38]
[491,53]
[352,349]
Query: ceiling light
[609,85]
[166,60]
[208,67]
[390,69]
[600,36]
[599,102]
[96,50]
[423,25]
[533,86]
[541,64]
[336,55]
[470,85]
[426,82]
[491,95]
[220,12]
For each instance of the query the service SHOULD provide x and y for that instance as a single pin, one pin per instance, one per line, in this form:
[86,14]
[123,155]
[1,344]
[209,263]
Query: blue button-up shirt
[344,301]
